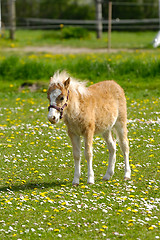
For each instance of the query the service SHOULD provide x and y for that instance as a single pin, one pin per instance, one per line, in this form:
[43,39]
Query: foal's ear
[66,83]
[50,79]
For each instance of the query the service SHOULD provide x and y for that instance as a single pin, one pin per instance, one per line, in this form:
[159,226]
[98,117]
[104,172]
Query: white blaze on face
[54,115]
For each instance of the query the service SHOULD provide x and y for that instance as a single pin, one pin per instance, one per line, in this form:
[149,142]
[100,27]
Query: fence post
[0,19]
[11,18]
[109,24]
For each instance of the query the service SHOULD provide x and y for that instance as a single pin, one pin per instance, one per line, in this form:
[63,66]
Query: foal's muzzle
[60,110]
[55,112]
[53,116]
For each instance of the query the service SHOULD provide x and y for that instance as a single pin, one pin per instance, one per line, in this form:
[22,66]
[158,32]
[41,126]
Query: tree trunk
[99,18]
[11,18]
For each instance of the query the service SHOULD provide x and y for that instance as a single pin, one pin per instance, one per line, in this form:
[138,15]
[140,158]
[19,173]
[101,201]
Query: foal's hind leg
[123,142]
[76,144]
[111,144]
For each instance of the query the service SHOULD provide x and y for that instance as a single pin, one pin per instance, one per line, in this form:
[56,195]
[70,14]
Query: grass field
[37,200]
[36,194]
[137,70]
[131,40]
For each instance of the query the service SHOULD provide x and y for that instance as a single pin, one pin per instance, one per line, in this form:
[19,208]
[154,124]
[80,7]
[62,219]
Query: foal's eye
[62,98]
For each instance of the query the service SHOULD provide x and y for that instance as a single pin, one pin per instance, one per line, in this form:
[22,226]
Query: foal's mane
[75,85]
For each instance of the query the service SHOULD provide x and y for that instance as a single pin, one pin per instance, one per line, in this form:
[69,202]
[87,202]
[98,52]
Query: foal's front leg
[76,144]
[89,157]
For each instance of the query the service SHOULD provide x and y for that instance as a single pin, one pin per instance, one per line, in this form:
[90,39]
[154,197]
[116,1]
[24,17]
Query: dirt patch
[65,50]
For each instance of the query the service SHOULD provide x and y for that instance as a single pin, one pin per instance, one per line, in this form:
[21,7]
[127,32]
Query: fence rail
[66,21]
[117,24]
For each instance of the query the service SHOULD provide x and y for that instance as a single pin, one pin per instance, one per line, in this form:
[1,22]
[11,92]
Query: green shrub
[74,32]
[131,70]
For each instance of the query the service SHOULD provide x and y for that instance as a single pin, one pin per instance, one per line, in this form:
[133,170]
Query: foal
[88,111]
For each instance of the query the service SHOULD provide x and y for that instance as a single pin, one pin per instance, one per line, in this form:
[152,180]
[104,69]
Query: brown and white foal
[88,111]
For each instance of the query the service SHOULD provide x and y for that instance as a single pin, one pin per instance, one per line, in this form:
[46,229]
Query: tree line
[83,9]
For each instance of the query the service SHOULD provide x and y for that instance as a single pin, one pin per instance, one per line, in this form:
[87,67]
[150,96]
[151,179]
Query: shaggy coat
[89,111]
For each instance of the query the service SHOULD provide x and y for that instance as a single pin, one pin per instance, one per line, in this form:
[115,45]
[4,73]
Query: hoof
[105,179]
[126,178]
[75,184]
[90,183]
[90,180]
[108,176]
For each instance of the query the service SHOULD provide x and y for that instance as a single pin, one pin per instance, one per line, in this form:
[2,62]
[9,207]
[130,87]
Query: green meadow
[37,200]
[130,40]
[136,70]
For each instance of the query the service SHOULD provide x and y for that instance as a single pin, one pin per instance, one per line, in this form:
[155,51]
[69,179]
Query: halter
[60,109]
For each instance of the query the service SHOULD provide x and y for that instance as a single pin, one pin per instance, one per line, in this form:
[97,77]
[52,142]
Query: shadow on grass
[30,186]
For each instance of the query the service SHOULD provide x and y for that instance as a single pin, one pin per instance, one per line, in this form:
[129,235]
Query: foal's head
[58,94]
